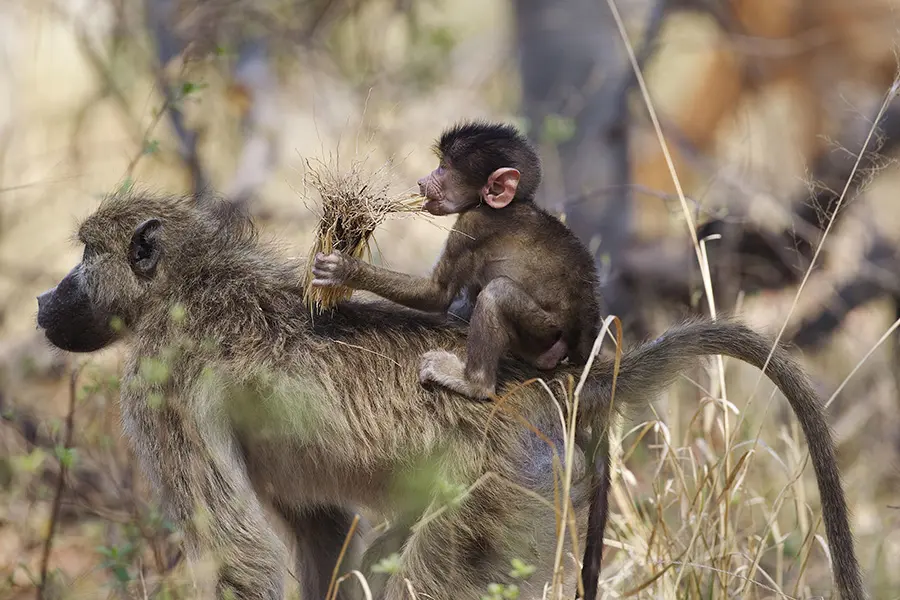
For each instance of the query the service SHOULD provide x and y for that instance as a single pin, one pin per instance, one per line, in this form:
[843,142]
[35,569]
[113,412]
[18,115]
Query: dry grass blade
[354,204]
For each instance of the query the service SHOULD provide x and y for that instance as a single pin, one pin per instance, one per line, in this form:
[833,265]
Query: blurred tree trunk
[575,72]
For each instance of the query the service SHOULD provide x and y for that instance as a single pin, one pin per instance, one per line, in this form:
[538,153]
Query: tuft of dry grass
[354,204]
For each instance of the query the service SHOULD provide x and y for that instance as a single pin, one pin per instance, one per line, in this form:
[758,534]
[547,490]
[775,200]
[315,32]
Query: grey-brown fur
[265,405]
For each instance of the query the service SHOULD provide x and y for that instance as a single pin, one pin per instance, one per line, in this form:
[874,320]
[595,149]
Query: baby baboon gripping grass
[258,404]
[532,281]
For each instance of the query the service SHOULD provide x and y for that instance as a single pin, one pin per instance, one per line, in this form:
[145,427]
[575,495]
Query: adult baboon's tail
[651,367]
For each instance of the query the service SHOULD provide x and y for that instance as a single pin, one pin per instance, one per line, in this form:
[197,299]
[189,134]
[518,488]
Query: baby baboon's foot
[447,370]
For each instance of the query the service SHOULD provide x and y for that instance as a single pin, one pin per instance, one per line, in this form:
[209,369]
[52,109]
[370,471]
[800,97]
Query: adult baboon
[233,396]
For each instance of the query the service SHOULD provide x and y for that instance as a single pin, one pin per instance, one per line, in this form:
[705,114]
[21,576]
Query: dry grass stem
[699,249]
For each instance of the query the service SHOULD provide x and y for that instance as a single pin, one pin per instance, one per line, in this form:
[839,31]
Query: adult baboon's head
[129,244]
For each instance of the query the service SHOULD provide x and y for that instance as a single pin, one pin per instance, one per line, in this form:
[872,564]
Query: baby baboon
[532,281]
[258,403]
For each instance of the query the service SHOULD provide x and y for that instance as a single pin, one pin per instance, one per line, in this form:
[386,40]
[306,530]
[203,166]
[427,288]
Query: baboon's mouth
[432,206]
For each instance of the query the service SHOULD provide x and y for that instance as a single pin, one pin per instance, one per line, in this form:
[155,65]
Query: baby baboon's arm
[432,294]
[208,494]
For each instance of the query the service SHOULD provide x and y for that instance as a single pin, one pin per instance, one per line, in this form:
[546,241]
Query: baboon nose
[421,183]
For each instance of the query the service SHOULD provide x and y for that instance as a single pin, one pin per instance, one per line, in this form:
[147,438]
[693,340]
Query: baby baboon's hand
[333,269]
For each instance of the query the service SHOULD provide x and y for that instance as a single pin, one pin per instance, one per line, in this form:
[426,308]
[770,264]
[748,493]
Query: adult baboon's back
[234,396]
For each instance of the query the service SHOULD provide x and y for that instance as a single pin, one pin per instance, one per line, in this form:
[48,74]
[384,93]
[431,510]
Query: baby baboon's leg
[503,312]
[206,492]
[320,533]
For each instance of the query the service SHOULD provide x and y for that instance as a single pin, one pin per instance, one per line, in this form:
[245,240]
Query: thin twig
[859,365]
[60,485]
[698,244]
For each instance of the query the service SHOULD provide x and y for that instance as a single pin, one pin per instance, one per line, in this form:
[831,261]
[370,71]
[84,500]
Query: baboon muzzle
[69,320]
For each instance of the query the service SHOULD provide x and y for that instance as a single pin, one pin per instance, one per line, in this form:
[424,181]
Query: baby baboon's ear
[146,248]
[501,186]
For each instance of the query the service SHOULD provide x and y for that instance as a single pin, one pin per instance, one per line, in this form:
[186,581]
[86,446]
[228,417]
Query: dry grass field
[681,525]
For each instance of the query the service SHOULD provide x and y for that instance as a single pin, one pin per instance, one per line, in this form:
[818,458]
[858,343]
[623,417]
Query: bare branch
[159,14]
[64,462]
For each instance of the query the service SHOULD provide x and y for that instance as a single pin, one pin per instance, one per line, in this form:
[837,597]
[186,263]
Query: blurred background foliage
[766,105]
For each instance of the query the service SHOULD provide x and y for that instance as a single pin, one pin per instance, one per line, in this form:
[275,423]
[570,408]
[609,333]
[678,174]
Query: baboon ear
[501,187]
[146,248]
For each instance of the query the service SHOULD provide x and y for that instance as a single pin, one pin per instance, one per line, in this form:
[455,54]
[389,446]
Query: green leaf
[155,400]
[154,370]
[450,493]
[558,129]
[177,313]
[442,38]
[29,463]
[126,185]
[389,565]
[116,324]
[66,456]
[523,124]
[151,146]
[121,574]
[521,570]
[497,591]
[189,87]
